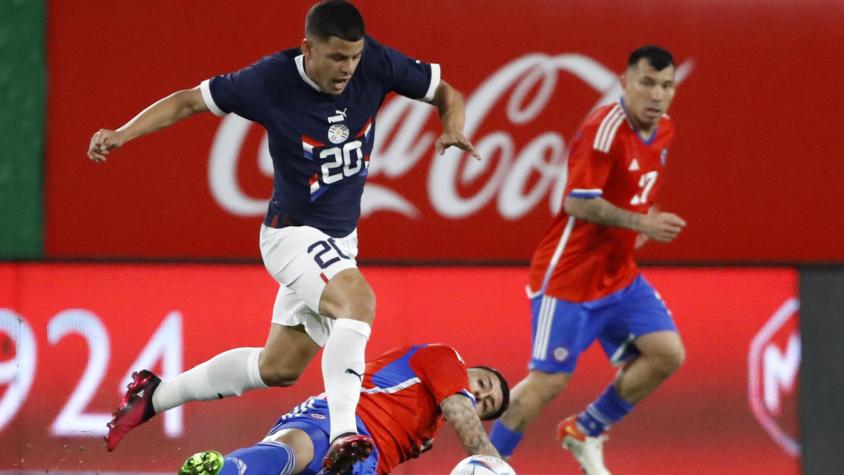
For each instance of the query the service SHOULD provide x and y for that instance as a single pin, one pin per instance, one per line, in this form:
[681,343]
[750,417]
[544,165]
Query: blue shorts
[562,330]
[312,417]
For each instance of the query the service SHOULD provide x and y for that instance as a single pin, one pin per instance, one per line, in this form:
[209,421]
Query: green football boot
[203,463]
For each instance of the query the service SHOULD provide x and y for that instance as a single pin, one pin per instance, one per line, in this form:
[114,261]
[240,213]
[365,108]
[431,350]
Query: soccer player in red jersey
[406,395]
[584,282]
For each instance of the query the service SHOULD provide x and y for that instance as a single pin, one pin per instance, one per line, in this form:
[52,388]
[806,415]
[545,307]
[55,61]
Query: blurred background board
[752,168]
[739,326]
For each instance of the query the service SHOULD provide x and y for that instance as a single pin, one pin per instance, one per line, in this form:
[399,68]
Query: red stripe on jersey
[364,129]
[312,142]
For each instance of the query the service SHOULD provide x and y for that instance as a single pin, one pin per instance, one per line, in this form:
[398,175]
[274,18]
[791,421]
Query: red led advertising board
[752,168]
[70,335]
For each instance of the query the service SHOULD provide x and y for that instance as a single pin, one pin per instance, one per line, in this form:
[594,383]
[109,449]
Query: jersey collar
[300,66]
[645,141]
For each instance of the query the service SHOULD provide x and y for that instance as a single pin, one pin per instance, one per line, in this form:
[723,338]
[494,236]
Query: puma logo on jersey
[340,117]
[351,371]
[634,165]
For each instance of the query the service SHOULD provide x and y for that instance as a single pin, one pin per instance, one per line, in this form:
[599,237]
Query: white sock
[227,374]
[344,352]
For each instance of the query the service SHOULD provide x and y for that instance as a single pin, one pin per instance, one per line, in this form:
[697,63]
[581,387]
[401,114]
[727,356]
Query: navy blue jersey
[319,143]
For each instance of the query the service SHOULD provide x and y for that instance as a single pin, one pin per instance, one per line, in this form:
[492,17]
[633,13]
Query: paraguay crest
[337,132]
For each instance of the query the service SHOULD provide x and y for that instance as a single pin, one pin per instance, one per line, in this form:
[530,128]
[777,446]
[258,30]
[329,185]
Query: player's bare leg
[530,395]
[662,353]
[299,442]
[527,399]
[348,299]
[287,353]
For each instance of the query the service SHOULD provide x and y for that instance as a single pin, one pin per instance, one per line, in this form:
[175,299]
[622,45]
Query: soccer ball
[482,465]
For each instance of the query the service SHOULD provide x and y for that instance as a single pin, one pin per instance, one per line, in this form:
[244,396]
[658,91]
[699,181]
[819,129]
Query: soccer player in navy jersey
[318,104]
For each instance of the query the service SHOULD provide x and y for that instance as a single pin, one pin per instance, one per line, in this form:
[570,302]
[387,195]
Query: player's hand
[662,227]
[455,139]
[102,143]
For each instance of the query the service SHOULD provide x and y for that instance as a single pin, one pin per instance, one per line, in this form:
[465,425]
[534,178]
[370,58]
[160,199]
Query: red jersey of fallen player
[401,395]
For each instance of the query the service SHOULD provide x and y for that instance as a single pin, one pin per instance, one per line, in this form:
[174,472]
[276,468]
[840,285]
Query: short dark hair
[505,393]
[659,58]
[334,18]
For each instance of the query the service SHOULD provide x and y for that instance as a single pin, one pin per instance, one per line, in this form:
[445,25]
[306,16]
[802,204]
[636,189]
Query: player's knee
[546,386]
[350,296]
[362,307]
[676,359]
[671,360]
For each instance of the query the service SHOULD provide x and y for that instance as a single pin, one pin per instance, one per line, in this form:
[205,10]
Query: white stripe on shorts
[543,327]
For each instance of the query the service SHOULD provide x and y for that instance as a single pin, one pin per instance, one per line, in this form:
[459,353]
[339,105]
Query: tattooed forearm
[601,211]
[458,411]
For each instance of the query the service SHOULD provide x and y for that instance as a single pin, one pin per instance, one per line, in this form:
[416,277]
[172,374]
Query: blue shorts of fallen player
[312,417]
[562,330]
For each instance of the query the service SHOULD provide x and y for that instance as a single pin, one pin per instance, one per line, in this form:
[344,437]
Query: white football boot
[589,451]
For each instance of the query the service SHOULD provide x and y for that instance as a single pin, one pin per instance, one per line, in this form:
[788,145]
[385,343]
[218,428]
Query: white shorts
[303,259]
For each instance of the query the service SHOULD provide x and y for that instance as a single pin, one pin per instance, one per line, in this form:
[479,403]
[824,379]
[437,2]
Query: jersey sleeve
[442,371]
[588,168]
[240,92]
[407,76]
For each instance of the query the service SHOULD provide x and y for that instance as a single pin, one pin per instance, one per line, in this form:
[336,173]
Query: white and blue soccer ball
[482,465]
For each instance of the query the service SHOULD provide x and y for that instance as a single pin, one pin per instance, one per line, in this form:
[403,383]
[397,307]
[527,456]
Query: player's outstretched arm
[659,226]
[165,112]
[460,413]
[449,104]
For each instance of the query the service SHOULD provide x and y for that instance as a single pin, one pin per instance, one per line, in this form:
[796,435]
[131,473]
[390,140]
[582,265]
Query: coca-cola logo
[523,87]
[773,369]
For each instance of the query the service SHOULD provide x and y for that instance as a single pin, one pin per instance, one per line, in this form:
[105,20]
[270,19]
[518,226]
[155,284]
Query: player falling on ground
[407,394]
[584,282]
[318,104]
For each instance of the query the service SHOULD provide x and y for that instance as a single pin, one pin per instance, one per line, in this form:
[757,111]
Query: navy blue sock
[264,457]
[504,439]
[608,409]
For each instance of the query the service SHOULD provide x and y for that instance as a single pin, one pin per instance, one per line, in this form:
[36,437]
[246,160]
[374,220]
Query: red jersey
[401,395]
[578,261]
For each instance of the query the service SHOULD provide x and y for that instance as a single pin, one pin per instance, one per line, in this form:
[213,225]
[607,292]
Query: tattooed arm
[460,413]
[659,226]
